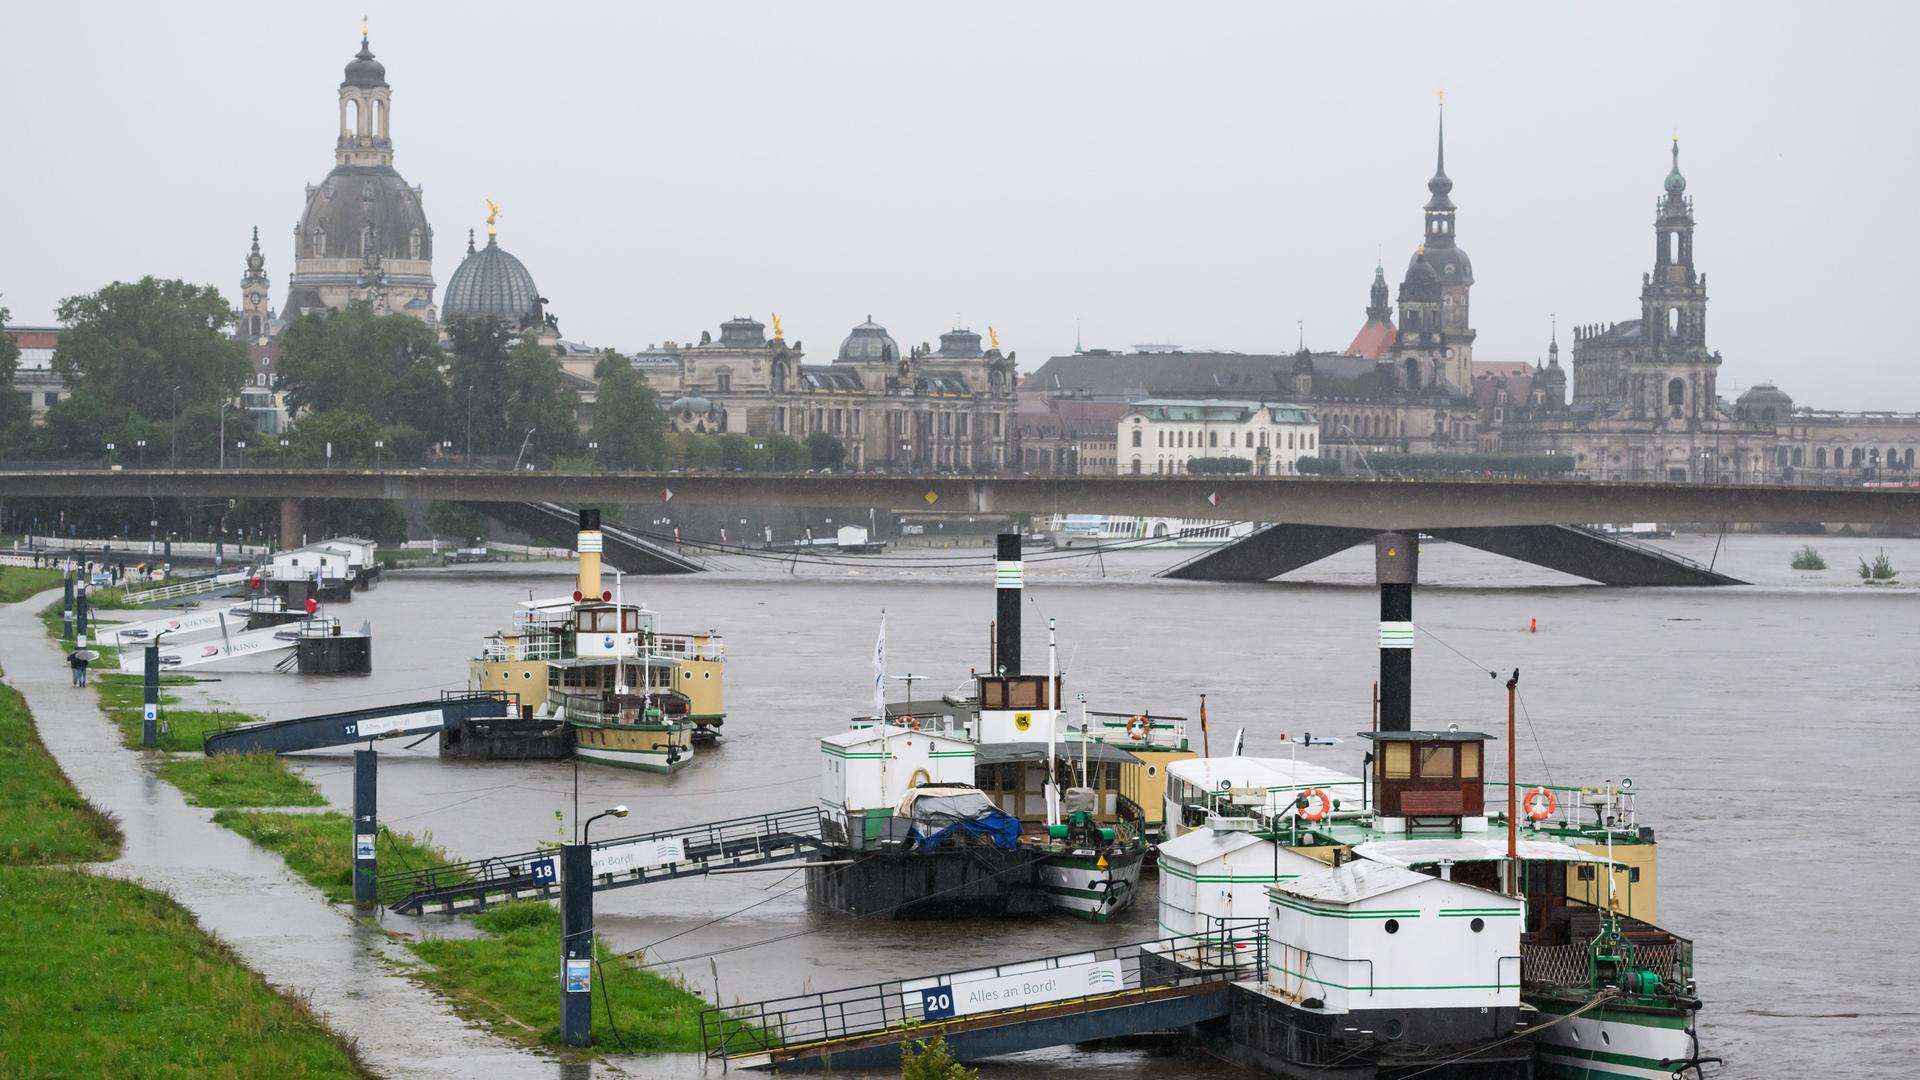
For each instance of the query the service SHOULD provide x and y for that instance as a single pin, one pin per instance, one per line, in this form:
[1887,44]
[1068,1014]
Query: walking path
[247,897]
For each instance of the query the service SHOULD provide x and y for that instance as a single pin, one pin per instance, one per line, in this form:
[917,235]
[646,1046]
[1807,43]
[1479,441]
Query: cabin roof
[1205,845]
[1352,882]
[1425,736]
[1251,772]
[1008,753]
[1469,849]
[863,735]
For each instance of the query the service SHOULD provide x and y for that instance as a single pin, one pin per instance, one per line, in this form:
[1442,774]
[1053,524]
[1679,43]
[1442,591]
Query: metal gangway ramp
[1132,989]
[193,586]
[690,851]
[360,725]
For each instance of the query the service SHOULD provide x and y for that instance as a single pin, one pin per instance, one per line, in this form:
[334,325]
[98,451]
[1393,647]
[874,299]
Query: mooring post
[80,614]
[366,825]
[150,715]
[576,944]
[66,616]
[1396,560]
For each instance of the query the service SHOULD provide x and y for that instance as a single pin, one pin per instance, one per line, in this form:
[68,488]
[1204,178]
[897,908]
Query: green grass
[42,818]
[256,779]
[124,699]
[508,980]
[319,847]
[100,977]
[19,582]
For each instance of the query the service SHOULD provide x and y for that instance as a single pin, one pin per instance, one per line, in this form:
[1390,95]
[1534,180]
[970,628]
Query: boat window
[629,620]
[993,694]
[1397,762]
[1470,761]
[1436,761]
[1024,694]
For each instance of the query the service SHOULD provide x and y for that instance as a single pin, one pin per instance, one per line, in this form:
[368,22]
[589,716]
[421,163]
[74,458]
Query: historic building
[1163,436]
[363,234]
[1068,436]
[925,410]
[34,377]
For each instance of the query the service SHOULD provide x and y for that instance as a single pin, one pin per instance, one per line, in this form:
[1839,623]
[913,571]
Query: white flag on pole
[880,669]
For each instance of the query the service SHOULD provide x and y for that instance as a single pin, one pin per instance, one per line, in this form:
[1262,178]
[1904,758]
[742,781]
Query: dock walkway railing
[1009,993]
[617,862]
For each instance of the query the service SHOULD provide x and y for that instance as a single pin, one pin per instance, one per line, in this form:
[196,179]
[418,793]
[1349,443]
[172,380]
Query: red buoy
[1533,626]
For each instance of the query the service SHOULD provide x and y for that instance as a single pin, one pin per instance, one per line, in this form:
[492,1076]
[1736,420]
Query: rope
[1599,999]
[1436,637]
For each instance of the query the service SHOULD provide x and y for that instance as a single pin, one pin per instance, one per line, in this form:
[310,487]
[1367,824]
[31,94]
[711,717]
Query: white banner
[638,855]
[176,628]
[969,992]
[374,727]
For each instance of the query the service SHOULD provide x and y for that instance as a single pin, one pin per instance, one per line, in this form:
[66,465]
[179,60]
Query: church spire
[1440,186]
[1379,306]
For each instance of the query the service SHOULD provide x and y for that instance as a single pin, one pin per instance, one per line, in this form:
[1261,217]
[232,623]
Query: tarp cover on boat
[959,812]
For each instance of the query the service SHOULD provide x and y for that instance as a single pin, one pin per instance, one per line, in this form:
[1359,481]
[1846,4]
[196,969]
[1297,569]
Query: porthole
[1153,770]
[1478,925]
[1393,926]
[1606,1038]
[526,675]
[1575,1029]
[1393,1029]
[706,674]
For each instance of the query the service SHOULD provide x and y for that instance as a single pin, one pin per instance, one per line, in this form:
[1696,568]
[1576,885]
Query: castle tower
[1435,343]
[256,317]
[363,237]
[1673,309]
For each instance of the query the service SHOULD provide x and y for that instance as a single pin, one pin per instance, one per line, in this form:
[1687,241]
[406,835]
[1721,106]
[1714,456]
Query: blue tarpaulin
[959,812]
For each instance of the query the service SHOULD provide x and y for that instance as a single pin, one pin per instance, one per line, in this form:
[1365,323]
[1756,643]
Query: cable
[1599,999]
[1456,652]
[1536,736]
[606,1002]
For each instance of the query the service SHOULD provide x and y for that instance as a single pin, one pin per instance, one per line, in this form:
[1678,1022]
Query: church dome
[869,343]
[1675,182]
[1765,394]
[1420,271]
[363,69]
[491,283]
[361,210]
[691,404]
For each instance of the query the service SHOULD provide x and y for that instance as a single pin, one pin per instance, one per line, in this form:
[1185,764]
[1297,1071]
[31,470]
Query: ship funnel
[1396,566]
[1007,582]
[587,588]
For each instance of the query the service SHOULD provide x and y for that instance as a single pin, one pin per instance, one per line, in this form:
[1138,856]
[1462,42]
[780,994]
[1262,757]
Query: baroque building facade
[945,409]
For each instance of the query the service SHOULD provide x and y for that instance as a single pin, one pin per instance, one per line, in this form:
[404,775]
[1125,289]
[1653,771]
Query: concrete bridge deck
[1361,503]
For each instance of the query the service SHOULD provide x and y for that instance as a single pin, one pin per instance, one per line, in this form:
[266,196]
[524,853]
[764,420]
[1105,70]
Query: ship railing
[1577,808]
[689,646]
[1228,950]
[539,647]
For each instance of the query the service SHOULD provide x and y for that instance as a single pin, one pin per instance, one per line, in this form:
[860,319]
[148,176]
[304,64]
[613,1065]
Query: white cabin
[300,564]
[1255,786]
[1209,875]
[864,773]
[1370,937]
[361,553]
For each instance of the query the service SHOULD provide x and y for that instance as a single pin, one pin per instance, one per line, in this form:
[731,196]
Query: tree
[16,415]
[456,521]
[130,344]
[932,1061]
[785,455]
[1312,466]
[387,367]
[514,384]
[825,451]
[627,421]
[350,435]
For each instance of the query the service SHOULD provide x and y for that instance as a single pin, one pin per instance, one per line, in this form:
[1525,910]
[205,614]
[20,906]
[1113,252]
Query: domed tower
[1673,309]
[1550,382]
[1436,333]
[491,284]
[256,317]
[1764,404]
[363,237]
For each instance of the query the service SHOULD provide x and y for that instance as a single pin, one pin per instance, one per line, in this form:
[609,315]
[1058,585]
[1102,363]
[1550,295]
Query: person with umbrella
[78,660]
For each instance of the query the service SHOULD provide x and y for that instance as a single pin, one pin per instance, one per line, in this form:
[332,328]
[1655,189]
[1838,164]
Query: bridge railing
[1229,950]
[695,843]
[1652,550]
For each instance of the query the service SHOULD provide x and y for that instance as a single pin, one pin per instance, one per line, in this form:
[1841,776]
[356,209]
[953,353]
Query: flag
[880,669]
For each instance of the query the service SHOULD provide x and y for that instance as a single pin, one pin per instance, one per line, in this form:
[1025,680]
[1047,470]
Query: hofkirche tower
[1434,347]
[363,236]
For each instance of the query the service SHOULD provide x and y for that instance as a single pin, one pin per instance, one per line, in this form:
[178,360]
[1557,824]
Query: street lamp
[586,830]
[109,455]
[142,444]
[242,445]
[446,448]
[378,445]
[469,426]
[593,451]
[173,444]
[523,449]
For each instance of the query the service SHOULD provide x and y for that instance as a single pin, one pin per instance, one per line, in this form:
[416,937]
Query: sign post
[366,826]
[576,945]
[150,715]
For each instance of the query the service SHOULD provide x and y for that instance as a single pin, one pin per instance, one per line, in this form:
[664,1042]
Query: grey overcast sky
[1209,175]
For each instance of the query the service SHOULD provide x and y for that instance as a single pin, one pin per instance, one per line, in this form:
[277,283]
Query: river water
[1766,728]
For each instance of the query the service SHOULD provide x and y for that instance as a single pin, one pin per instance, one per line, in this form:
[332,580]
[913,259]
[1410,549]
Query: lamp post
[223,434]
[446,448]
[378,446]
[173,444]
[576,935]
[469,426]
[241,445]
[523,449]
[109,455]
[142,444]
[593,451]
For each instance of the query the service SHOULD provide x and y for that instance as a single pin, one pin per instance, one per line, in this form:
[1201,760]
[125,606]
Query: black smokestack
[1396,565]
[1007,584]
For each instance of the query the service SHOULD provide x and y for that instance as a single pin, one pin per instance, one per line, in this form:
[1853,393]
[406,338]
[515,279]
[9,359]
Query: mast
[1513,826]
[1396,559]
[1053,721]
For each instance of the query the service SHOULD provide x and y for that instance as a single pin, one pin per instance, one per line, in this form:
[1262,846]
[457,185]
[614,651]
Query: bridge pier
[1277,549]
[293,523]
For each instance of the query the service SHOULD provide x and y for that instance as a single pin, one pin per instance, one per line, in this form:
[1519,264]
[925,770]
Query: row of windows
[1435,762]
[1191,439]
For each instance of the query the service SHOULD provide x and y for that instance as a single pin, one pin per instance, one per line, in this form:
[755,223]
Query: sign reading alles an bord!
[966,993]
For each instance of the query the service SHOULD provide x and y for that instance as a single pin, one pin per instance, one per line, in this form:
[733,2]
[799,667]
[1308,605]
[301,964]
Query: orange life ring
[1535,808]
[910,721]
[1139,728]
[1320,811]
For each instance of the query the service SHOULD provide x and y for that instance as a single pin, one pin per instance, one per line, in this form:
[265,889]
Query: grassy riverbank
[19,582]
[100,977]
[319,847]
[42,819]
[507,980]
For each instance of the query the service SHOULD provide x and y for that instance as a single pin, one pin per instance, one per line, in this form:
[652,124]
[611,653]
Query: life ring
[1320,810]
[1139,728]
[909,721]
[1539,803]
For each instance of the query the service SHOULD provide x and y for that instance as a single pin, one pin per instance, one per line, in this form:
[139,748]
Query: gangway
[1132,989]
[190,587]
[559,525]
[186,654]
[177,627]
[358,725]
[692,851]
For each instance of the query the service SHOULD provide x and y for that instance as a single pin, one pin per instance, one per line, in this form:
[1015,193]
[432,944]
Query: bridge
[692,851]
[1165,985]
[1314,516]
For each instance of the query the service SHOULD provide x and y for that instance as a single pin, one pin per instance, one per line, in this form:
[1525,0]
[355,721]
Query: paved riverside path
[246,896]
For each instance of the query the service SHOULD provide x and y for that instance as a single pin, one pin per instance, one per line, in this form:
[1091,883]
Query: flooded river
[1768,730]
